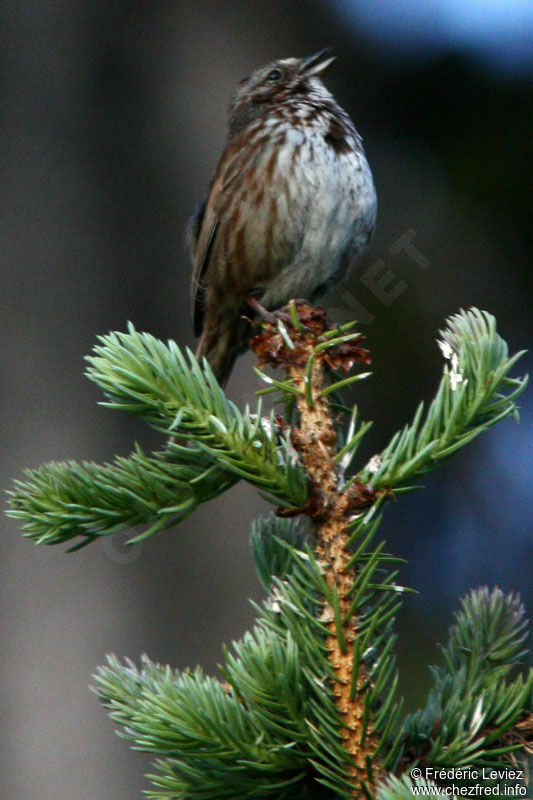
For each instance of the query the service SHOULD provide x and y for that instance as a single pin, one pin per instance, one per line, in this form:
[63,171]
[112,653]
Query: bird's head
[281,80]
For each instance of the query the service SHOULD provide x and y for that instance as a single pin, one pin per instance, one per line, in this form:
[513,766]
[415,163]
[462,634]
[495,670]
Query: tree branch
[299,349]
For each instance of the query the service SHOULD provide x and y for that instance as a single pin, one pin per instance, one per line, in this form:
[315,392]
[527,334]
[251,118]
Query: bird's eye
[274,75]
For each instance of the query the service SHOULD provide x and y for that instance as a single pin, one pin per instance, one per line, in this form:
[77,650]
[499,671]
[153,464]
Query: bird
[290,208]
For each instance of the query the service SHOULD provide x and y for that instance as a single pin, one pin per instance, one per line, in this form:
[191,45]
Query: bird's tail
[220,344]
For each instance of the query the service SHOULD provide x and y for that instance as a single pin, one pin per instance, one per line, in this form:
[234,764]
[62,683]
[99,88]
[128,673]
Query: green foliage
[176,396]
[258,735]
[273,731]
[402,788]
[375,598]
[475,700]
[215,746]
[66,500]
[475,392]
[271,559]
[273,728]
[180,398]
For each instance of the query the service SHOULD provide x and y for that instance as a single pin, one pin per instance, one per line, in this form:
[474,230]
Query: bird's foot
[268,316]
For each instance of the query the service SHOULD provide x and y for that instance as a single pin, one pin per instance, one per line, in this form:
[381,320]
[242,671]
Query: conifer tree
[306,704]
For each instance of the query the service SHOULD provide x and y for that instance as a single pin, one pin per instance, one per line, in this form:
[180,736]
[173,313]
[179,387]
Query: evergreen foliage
[65,500]
[476,700]
[271,726]
[272,730]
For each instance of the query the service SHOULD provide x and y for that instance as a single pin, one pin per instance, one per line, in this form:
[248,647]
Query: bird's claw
[268,316]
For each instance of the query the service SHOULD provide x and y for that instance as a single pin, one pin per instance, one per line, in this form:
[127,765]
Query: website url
[432,790]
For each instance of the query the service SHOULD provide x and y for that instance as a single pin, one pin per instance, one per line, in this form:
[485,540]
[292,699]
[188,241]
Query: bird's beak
[316,64]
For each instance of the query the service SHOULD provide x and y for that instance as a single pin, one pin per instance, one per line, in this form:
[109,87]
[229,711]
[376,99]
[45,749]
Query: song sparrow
[291,205]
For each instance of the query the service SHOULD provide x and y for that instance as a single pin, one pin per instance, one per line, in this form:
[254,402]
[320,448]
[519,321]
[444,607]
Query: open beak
[316,64]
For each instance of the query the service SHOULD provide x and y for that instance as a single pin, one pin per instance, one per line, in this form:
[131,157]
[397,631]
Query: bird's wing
[202,229]
[205,223]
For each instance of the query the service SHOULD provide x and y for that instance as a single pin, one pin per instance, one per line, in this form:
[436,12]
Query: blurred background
[113,117]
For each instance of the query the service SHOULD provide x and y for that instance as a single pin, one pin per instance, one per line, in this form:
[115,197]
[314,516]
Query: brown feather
[291,204]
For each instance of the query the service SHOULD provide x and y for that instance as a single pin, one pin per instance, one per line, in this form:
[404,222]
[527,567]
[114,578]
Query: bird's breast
[315,199]
[300,206]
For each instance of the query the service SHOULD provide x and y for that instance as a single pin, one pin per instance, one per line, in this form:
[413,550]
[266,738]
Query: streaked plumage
[291,206]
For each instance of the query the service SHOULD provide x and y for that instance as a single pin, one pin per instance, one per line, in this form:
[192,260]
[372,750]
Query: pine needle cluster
[306,704]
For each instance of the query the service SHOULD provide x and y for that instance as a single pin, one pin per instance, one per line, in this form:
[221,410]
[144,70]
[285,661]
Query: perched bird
[291,206]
